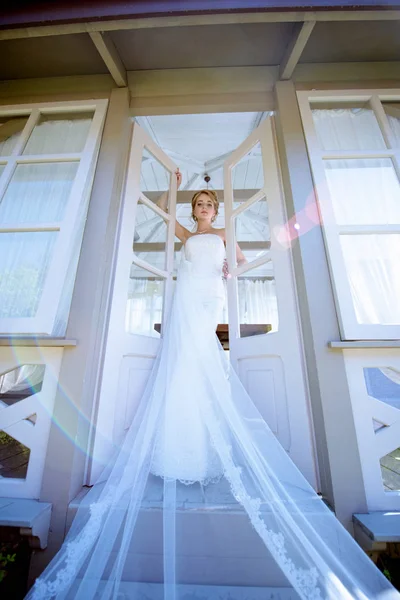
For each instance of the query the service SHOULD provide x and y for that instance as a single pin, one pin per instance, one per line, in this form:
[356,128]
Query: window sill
[55,342]
[341,345]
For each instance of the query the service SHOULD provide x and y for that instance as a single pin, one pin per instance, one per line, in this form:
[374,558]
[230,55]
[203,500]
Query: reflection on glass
[345,127]
[371,262]
[384,384]
[14,457]
[25,260]
[144,303]
[364,191]
[252,230]
[154,177]
[150,236]
[59,133]
[248,172]
[392,110]
[2,167]
[20,383]
[10,130]
[38,193]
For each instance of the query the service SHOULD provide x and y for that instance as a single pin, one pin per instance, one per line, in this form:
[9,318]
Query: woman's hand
[178,178]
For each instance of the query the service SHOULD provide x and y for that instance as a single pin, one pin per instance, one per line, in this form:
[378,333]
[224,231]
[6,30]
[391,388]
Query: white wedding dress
[196,423]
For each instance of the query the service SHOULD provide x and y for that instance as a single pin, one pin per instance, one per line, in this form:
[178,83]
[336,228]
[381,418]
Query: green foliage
[5,560]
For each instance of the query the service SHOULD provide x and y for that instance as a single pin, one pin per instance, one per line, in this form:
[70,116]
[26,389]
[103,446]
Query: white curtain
[38,194]
[144,306]
[22,378]
[364,192]
[258,302]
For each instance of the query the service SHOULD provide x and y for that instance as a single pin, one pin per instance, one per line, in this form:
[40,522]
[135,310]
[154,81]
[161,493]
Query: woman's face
[204,208]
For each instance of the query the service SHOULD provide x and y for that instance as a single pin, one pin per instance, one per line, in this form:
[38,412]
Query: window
[353,140]
[48,155]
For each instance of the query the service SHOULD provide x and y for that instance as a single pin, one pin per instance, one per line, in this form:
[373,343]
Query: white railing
[28,419]
[377,421]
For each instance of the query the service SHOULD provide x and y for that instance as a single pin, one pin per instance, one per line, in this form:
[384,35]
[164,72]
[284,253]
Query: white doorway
[265,342]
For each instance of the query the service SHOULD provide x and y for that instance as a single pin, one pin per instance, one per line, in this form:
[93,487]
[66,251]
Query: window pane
[346,128]
[144,303]
[248,172]
[384,384]
[38,193]
[20,383]
[364,191]
[2,167]
[10,130]
[258,306]
[25,259]
[392,110]
[372,268]
[14,457]
[252,230]
[58,133]
[153,175]
[150,236]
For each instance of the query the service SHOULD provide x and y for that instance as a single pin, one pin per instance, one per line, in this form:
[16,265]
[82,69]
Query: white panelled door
[142,293]
[264,336]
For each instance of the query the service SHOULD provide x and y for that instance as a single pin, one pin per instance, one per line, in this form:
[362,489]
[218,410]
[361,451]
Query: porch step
[217,544]
[155,591]
[31,516]
[378,527]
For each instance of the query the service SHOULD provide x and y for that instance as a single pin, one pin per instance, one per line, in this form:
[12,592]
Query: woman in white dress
[196,424]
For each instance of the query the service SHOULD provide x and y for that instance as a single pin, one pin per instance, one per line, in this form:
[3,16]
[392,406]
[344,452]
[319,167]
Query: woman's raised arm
[180,231]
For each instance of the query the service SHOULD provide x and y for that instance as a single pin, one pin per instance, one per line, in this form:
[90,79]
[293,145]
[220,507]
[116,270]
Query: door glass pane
[150,236]
[392,110]
[10,130]
[154,178]
[364,191]
[248,173]
[384,384]
[38,193]
[252,230]
[345,127]
[258,306]
[25,259]
[374,276]
[145,303]
[59,133]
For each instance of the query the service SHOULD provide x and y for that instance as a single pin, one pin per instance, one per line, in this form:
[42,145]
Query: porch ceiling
[236,44]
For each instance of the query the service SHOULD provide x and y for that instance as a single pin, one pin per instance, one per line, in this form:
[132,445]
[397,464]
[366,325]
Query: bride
[200,480]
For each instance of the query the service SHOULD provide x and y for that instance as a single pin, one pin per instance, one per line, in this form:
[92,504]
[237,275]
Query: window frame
[42,323]
[350,328]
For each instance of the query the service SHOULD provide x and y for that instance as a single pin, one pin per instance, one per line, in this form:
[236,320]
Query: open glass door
[264,338]
[142,292]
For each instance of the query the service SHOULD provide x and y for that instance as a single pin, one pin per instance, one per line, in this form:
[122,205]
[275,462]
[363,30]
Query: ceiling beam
[196,20]
[295,48]
[185,196]
[140,247]
[110,56]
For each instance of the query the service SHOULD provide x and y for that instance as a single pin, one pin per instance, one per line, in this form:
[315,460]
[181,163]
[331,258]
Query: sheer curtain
[364,192]
[38,195]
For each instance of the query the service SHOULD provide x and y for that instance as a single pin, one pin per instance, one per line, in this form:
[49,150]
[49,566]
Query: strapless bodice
[205,253]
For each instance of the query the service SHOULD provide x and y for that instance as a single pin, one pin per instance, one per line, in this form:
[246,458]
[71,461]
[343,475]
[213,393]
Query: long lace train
[130,528]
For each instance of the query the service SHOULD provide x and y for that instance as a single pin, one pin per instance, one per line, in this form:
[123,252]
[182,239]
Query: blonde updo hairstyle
[214,199]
